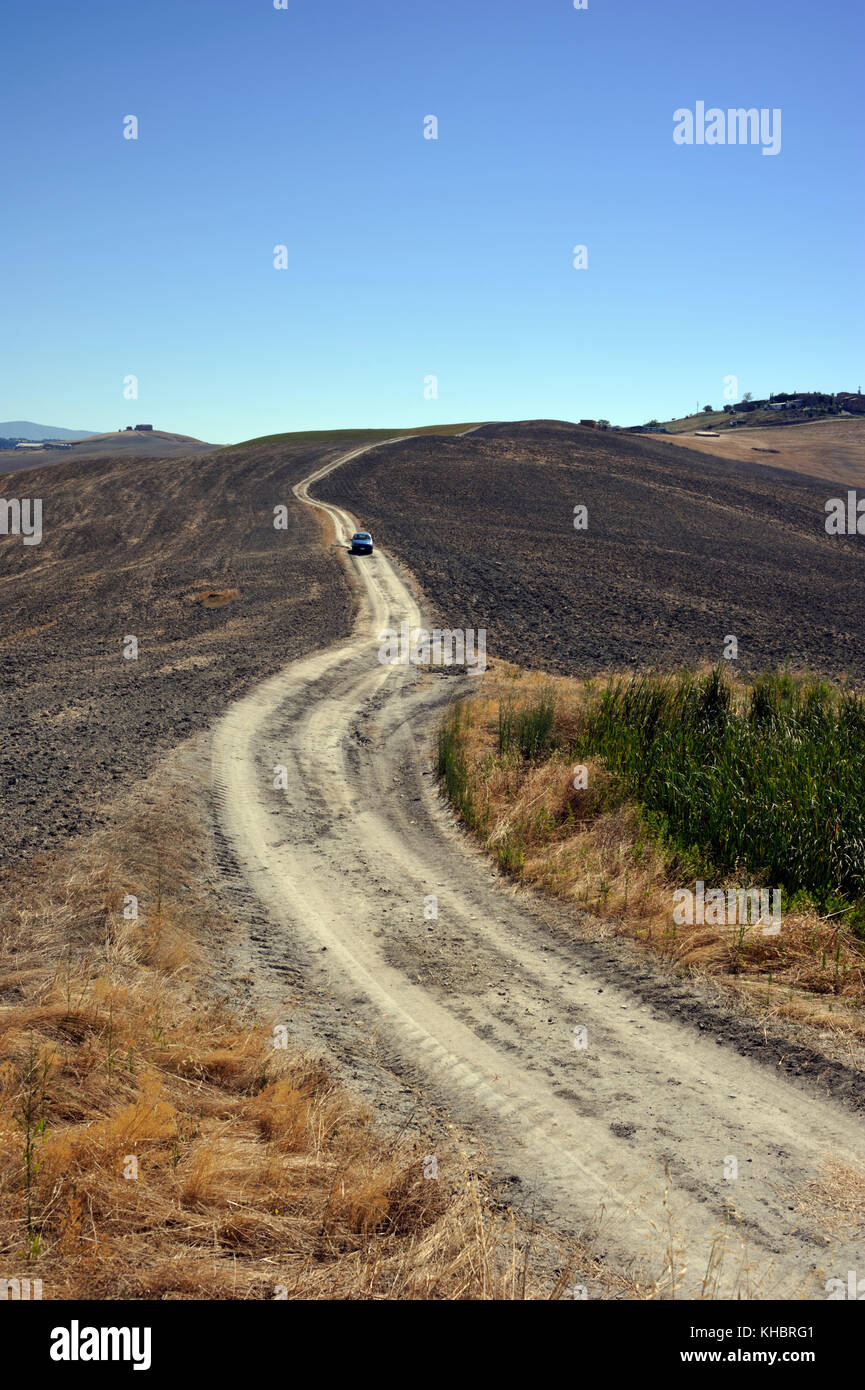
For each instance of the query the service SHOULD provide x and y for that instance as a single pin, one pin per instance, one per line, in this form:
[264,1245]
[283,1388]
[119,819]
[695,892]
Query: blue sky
[407,257]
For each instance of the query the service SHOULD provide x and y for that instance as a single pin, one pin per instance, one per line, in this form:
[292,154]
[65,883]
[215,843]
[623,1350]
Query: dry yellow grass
[835,1201]
[833,449]
[591,851]
[215,598]
[155,1145]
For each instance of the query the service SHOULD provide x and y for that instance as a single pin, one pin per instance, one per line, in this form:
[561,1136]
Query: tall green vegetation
[31,1119]
[453,766]
[772,782]
[528,728]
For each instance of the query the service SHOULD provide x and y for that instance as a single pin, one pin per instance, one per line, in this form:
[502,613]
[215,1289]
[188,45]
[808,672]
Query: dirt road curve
[480,1005]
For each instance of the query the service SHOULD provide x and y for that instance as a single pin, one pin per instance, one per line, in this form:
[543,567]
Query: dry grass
[216,598]
[833,449]
[834,1202]
[591,850]
[153,1144]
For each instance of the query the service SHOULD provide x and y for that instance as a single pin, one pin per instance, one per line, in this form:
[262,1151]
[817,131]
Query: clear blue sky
[410,257]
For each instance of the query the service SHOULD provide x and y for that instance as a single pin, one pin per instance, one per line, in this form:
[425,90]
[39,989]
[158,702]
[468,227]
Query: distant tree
[603,424]
[748,396]
[728,410]
[707,410]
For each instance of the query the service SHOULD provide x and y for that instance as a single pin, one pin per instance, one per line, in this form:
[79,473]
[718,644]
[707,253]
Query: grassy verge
[157,1143]
[703,420]
[616,794]
[764,780]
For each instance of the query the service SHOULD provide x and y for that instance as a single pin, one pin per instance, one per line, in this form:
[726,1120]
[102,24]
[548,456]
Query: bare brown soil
[681,549]
[184,556]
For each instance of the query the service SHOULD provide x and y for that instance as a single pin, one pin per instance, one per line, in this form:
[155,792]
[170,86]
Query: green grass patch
[528,728]
[350,436]
[703,421]
[772,782]
[453,767]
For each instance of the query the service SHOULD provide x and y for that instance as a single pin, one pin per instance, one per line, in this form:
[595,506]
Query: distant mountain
[26,429]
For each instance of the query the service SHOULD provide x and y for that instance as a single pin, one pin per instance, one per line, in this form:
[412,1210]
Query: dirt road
[479,1004]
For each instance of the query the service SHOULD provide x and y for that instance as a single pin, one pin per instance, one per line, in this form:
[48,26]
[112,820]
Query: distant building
[590,424]
[144,427]
[44,444]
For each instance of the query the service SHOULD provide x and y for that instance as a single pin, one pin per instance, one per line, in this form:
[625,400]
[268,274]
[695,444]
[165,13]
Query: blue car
[361,543]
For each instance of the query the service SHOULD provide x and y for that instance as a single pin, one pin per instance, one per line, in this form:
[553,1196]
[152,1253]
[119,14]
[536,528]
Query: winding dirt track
[628,1135]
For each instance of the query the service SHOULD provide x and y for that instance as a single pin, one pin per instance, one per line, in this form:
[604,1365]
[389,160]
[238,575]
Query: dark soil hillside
[129,549]
[681,549]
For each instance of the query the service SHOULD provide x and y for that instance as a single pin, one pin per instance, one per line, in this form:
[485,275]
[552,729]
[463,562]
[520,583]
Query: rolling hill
[120,444]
